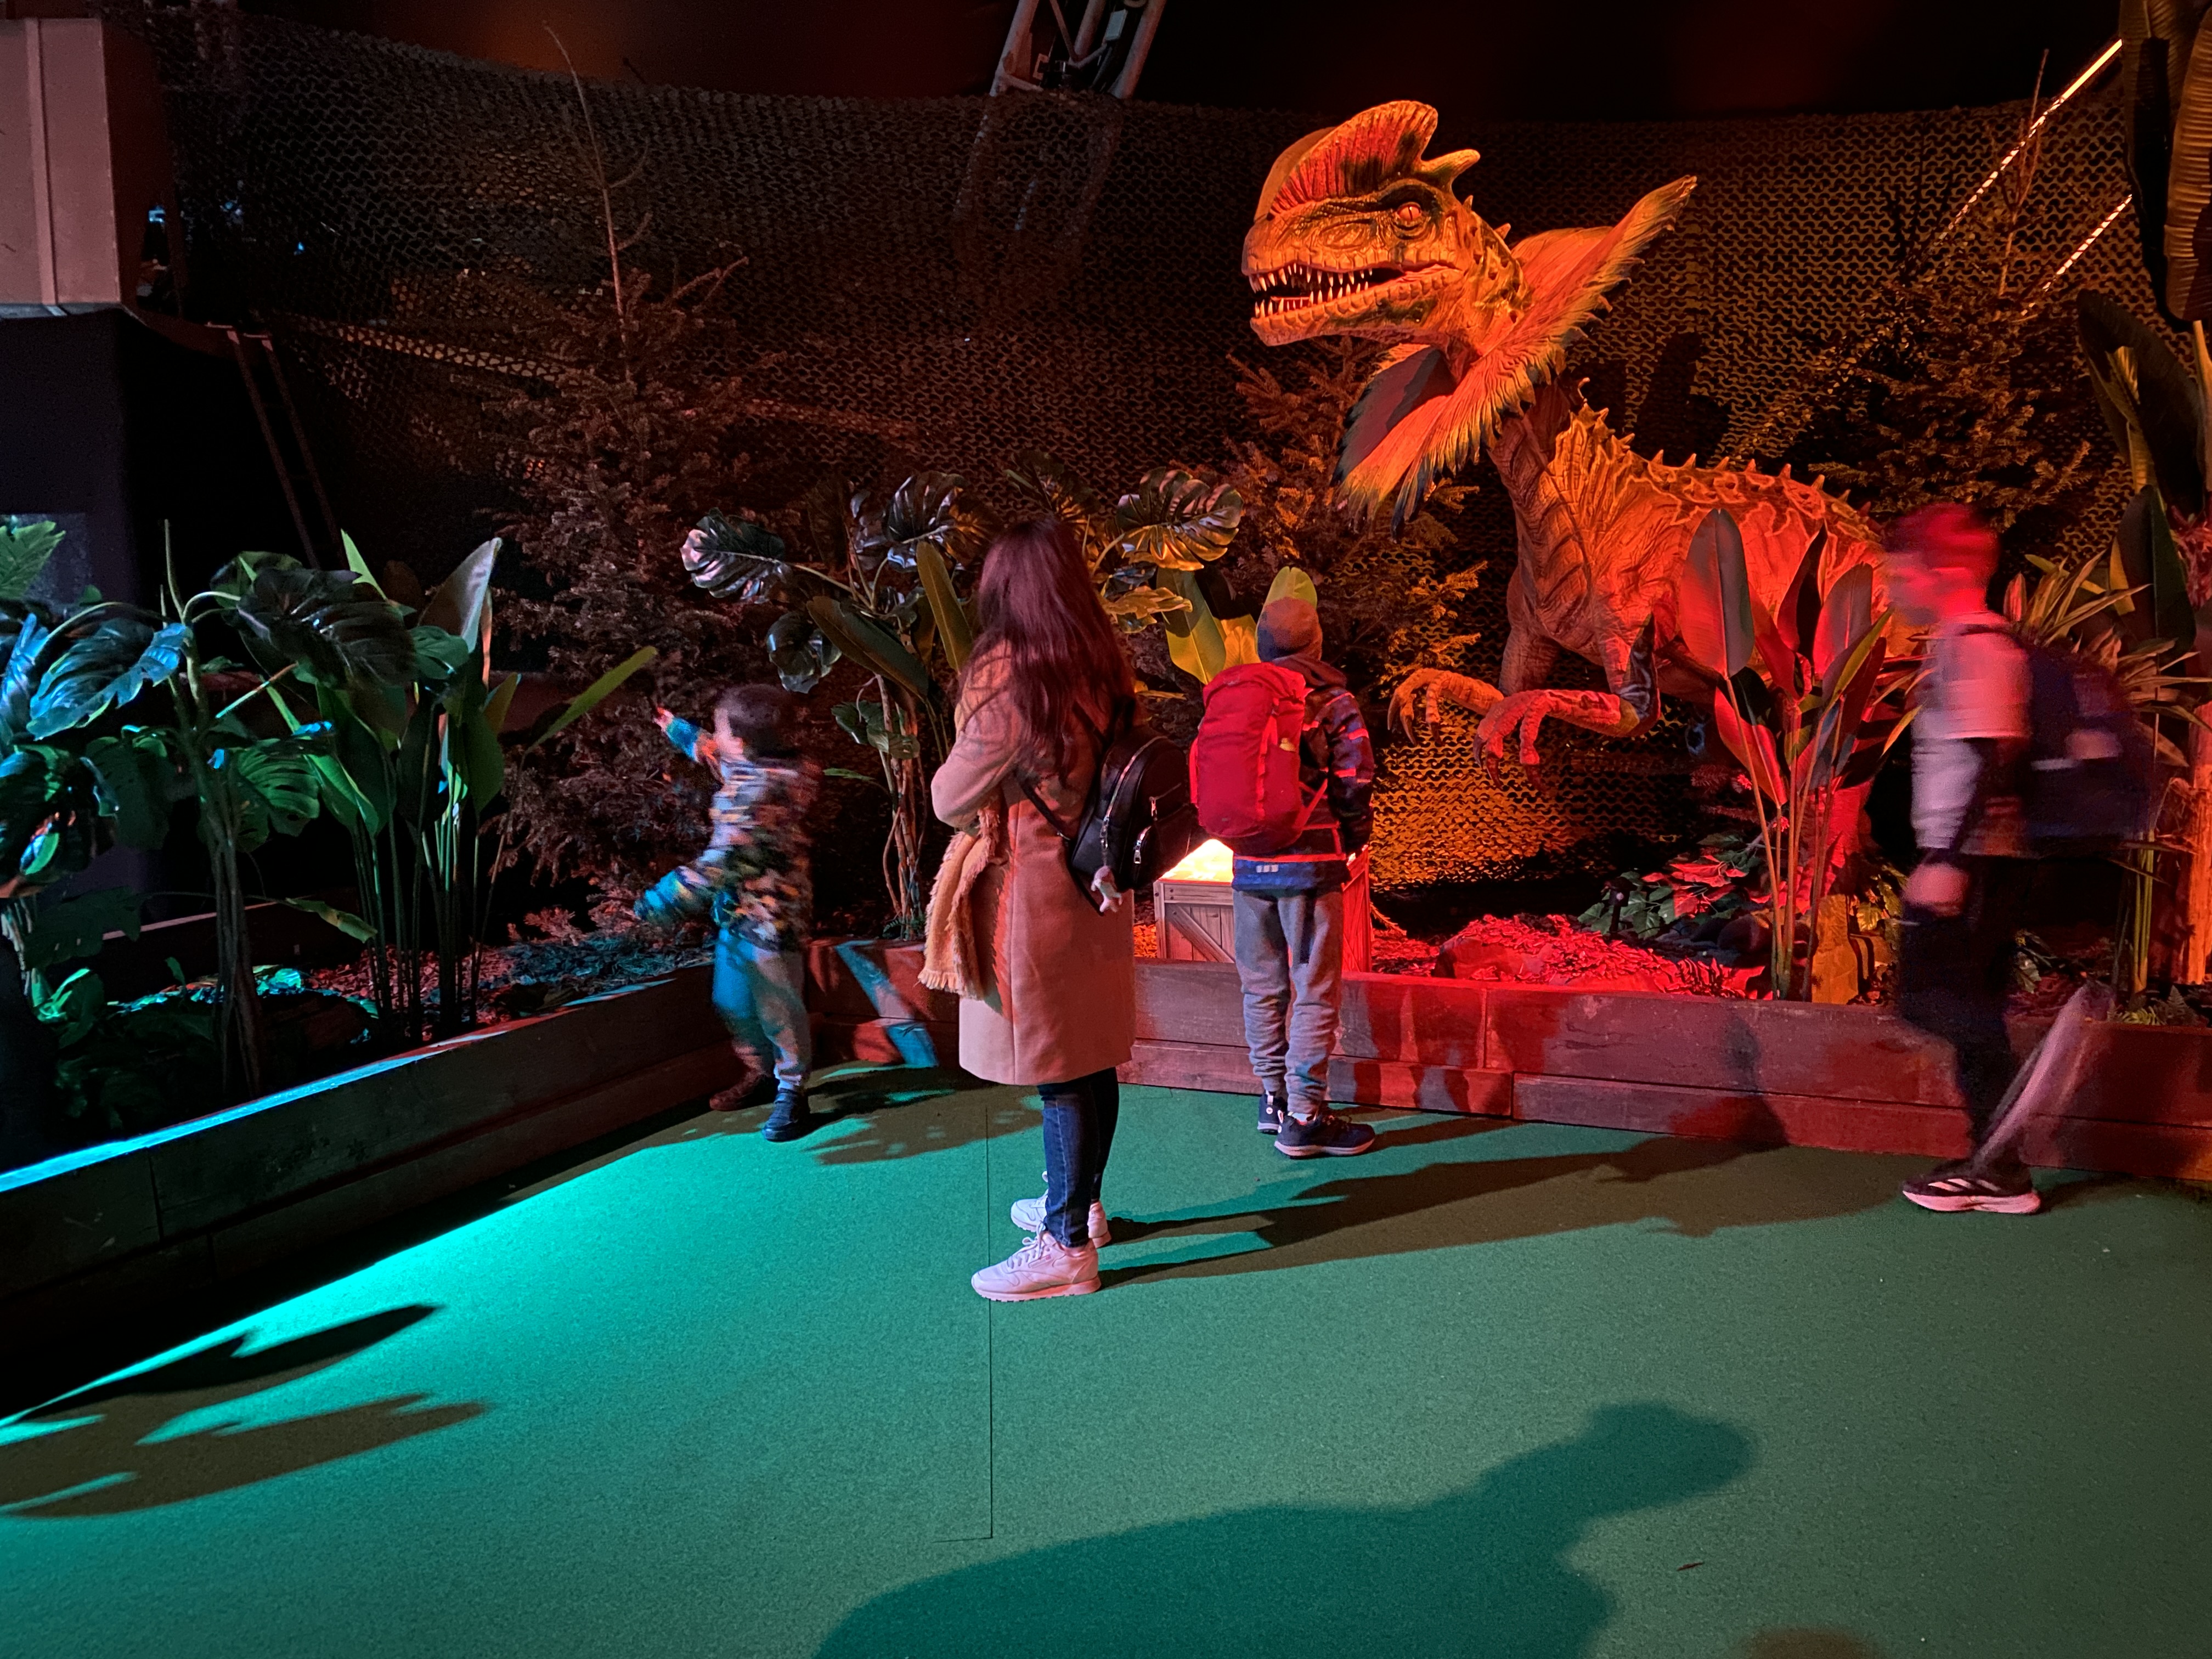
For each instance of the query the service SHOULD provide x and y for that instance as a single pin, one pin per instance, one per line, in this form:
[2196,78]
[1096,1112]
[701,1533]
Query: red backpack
[1244,761]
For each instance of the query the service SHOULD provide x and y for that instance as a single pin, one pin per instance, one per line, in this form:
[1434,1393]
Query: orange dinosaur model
[1359,233]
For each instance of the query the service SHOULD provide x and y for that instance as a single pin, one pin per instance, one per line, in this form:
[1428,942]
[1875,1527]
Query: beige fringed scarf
[952,959]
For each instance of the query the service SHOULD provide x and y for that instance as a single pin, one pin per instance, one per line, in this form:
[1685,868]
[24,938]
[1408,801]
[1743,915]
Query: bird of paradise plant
[1804,698]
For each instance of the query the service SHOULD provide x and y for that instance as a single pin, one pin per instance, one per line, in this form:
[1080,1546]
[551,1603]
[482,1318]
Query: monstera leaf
[328,622]
[928,510]
[24,631]
[1177,520]
[738,559]
[1055,493]
[801,656]
[75,928]
[48,814]
[137,785]
[24,547]
[277,788]
[105,669]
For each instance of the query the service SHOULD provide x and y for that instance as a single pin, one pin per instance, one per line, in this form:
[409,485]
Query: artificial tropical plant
[1147,549]
[412,766]
[2162,562]
[875,583]
[1803,698]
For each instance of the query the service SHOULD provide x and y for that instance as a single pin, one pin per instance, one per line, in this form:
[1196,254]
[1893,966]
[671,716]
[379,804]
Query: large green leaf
[2141,385]
[2150,85]
[344,921]
[871,644]
[278,790]
[598,691]
[1177,520]
[954,631]
[439,653]
[24,630]
[1292,583]
[1846,614]
[2188,295]
[1046,483]
[326,622]
[1196,642]
[461,603]
[76,927]
[926,510]
[799,651]
[49,815]
[471,746]
[137,783]
[736,559]
[2152,562]
[24,547]
[121,656]
[1713,598]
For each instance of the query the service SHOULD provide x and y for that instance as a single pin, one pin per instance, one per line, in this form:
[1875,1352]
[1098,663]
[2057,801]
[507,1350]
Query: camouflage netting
[945,283]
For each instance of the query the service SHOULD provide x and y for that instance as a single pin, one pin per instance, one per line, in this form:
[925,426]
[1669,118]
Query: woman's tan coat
[1062,979]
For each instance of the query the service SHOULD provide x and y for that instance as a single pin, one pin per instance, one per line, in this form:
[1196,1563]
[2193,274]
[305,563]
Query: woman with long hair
[1049,1000]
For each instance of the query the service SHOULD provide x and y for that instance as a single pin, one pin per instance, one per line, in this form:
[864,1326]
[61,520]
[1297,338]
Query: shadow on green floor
[1480,1571]
[1693,1188]
[102,1458]
[1807,1644]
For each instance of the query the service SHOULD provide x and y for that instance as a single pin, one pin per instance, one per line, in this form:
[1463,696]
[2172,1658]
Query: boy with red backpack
[1282,771]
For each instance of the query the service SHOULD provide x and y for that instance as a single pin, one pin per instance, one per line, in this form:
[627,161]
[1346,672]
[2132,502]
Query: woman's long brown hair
[1045,643]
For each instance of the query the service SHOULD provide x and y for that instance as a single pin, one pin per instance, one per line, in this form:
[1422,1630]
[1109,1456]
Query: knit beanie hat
[1289,627]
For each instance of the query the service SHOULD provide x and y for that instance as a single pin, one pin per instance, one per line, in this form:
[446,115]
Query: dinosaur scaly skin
[1359,233]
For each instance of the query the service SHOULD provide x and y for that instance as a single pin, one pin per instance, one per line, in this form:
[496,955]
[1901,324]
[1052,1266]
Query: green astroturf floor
[1520,1391]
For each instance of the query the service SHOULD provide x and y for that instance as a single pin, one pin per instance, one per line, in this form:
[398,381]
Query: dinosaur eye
[1410,215]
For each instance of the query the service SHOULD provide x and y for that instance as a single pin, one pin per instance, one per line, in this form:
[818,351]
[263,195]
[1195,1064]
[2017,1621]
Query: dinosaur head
[1357,232]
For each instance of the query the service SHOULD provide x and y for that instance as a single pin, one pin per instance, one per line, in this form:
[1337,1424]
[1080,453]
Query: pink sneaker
[1028,1214]
[1043,1267]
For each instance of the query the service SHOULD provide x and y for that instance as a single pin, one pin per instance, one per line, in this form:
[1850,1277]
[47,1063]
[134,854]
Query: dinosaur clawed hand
[1514,723]
[1432,689]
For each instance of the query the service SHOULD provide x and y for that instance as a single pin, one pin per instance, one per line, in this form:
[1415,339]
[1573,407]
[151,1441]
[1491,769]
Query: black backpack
[1137,820]
[2089,784]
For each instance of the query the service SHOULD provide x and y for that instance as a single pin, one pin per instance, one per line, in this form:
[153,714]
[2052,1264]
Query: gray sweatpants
[761,994]
[1290,956]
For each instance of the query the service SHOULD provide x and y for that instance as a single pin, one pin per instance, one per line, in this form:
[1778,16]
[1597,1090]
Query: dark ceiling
[1599,59]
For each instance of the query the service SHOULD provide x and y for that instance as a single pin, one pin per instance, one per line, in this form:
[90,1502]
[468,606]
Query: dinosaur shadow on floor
[1692,1187]
[1485,1569]
[106,1453]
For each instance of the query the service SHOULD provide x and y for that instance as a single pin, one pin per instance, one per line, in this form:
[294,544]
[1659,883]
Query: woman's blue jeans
[1079,1133]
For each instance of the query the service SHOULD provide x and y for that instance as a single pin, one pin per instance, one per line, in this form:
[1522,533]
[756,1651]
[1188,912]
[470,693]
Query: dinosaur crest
[1358,232]
[1371,149]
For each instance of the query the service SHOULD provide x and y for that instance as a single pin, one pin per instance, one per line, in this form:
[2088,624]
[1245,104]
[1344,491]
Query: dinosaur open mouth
[1295,288]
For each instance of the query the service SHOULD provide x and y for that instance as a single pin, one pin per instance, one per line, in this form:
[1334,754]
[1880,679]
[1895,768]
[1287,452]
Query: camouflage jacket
[755,876]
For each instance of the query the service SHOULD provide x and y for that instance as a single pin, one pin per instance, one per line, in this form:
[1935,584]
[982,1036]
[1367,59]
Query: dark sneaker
[1274,1108]
[791,1119]
[1960,1186]
[1326,1136]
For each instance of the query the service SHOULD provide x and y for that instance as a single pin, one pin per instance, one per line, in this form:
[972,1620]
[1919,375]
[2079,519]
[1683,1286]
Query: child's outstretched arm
[687,739]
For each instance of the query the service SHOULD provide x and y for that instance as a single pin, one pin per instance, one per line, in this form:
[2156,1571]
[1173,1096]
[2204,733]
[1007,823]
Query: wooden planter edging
[85,1235]
[1859,1079]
